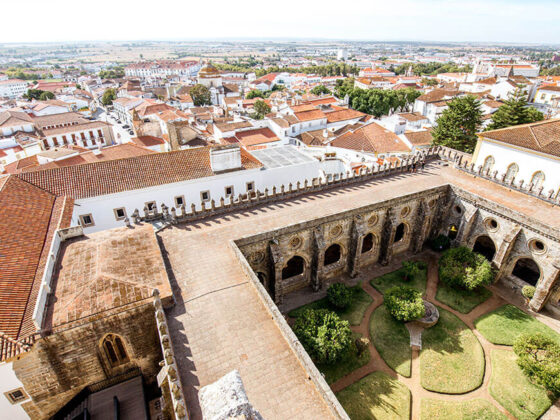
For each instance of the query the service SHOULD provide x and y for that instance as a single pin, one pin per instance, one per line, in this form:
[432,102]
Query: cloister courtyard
[463,367]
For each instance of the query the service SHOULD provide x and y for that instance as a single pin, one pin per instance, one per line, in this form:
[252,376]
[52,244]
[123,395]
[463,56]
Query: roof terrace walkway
[219,323]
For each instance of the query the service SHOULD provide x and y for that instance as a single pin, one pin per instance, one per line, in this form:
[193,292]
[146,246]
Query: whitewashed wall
[101,208]
[9,382]
[528,163]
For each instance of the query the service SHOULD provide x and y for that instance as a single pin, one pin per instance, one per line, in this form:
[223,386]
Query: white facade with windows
[13,88]
[518,163]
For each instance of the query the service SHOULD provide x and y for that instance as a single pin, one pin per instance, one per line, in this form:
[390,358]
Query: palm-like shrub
[461,267]
[404,303]
[326,338]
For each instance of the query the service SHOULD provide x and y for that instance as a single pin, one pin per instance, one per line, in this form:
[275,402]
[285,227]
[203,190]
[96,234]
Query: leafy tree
[552,71]
[108,96]
[261,108]
[324,335]
[539,358]
[254,94]
[33,94]
[320,90]
[46,96]
[429,82]
[410,270]
[458,124]
[528,291]
[404,303]
[440,243]
[514,112]
[339,295]
[462,268]
[200,95]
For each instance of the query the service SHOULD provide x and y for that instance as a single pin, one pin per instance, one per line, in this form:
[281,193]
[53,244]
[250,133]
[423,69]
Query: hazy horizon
[511,22]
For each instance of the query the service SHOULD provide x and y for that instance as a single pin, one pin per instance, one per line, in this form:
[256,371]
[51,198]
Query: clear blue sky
[532,21]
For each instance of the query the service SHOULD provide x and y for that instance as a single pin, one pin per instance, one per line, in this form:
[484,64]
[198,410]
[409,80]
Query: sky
[514,21]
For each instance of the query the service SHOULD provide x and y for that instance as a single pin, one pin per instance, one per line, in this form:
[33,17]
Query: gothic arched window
[511,172]
[114,350]
[537,179]
[488,164]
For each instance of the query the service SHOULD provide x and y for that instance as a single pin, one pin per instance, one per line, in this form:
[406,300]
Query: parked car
[126,126]
[131,132]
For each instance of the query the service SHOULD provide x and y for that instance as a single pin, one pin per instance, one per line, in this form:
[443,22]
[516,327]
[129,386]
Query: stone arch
[262,277]
[485,245]
[537,179]
[527,269]
[511,172]
[114,350]
[452,232]
[333,254]
[368,243]
[400,232]
[488,163]
[294,267]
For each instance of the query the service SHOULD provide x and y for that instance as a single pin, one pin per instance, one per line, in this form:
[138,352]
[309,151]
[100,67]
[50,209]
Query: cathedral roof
[208,71]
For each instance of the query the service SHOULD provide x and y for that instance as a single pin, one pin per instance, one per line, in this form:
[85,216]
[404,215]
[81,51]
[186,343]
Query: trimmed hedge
[463,268]
[339,295]
[404,303]
[324,335]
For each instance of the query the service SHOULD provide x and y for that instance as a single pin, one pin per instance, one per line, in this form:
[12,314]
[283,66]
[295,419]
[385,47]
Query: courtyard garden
[390,355]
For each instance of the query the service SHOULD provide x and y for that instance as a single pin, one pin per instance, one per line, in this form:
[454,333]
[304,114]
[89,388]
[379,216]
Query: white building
[162,69]
[548,95]
[13,88]
[185,177]
[528,153]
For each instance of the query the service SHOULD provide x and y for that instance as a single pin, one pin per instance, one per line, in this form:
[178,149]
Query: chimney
[225,158]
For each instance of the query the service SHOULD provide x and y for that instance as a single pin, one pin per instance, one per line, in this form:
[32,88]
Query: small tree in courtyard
[463,268]
[410,269]
[200,95]
[539,359]
[404,303]
[339,295]
[324,335]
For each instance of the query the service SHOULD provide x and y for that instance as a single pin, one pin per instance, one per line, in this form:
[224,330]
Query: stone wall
[364,236]
[62,364]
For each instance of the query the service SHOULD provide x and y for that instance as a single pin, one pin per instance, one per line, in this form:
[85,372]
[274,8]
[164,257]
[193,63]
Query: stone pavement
[219,323]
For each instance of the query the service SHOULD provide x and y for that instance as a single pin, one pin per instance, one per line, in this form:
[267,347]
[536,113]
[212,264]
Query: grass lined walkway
[462,301]
[377,396]
[475,409]
[354,361]
[506,323]
[395,278]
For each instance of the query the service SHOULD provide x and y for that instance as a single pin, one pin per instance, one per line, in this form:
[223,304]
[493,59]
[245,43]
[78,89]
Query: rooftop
[277,157]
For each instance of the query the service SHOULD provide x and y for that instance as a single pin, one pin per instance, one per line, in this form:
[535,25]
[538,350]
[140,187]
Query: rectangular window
[83,135]
[229,191]
[99,133]
[64,140]
[205,196]
[86,220]
[55,141]
[179,200]
[151,205]
[16,396]
[120,213]
[250,186]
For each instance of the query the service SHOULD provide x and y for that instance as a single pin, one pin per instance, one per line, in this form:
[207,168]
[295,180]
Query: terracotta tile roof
[343,115]
[112,268]
[12,118]
[542,136]
[550,88]
[232,126]
[371,138]
[315,114]
[412,116]
[113,176]
[313,138]
[281,122]
[419,138]
[437,95]
[258,136]
[57,119]
[303,107]
[25,216]
[147,141]
[323,101]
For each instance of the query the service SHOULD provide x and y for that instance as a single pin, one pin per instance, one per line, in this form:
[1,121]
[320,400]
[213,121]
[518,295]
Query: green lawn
[476,409]
[395,279]
[503,325]
[391,339]
[353,314]
[511,388]
[377,396]
[463,301]
[452,359]
[334,372]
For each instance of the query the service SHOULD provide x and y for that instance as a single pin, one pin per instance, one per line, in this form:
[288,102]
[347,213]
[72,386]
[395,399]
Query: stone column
[317,258]
[469,220]
[504,251]
[356,240]
[544,287]
[276,263]
[420,228]
[387,237]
